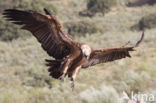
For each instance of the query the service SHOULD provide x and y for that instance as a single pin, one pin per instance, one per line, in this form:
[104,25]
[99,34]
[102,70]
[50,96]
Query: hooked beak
[86,56]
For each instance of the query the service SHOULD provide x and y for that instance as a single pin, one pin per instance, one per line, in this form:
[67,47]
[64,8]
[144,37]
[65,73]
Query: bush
[141,3]
[34,5]
[10,31]
[39,80]
[98,6]
[102,95]
[131,81]
[27,5]
[82,27]
[34,79]
[146,22]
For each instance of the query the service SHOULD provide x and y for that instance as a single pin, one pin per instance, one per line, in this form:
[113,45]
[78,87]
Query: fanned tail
[54,68]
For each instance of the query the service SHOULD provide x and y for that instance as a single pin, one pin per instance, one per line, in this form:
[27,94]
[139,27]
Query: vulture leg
[67,63]
[74,74]
[66,66]
[72,84]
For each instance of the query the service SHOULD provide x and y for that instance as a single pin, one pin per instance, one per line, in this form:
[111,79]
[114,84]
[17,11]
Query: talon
[62,80]
[62,77]
[72,84]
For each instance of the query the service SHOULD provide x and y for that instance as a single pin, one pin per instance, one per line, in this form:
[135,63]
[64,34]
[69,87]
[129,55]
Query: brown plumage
[69,56]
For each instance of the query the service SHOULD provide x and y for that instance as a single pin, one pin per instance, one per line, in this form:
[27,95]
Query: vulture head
[86,50]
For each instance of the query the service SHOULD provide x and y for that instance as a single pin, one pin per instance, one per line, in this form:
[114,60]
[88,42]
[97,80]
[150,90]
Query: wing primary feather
[142,37]
[111,54]
[47,11]
[45,28]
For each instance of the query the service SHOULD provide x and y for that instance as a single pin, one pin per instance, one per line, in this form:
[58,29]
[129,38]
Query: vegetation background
[99,23]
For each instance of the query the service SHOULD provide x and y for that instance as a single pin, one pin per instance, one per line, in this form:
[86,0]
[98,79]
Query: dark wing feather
[46,11]
[45,28]
[110,54]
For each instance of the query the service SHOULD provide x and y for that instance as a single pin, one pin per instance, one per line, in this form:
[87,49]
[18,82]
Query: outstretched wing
[110,54]
[45,28]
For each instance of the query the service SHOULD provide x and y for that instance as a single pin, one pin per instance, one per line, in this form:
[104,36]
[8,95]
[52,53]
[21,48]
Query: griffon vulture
[69,56]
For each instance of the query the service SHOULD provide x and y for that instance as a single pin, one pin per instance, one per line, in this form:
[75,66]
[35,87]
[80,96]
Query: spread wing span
[110,54]
[45,28]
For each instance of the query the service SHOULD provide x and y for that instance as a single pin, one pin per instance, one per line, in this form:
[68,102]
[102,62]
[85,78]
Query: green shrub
[98,6]
[34,79]
[147,22]
[82,27]
[9,31]
[130,81]
[27,5]
[39,80]
[141,3]
[104,94]
[34,5]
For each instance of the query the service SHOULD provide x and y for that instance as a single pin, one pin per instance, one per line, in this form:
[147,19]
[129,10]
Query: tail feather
[54,68]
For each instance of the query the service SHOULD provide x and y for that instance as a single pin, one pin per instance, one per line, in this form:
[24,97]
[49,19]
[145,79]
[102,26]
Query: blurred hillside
[99,23]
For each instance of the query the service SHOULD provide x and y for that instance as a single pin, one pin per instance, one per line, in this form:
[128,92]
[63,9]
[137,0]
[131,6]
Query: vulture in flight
[69,55]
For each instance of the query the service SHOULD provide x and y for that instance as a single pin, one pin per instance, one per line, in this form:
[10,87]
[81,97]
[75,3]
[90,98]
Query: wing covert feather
[110,54]
[45,28]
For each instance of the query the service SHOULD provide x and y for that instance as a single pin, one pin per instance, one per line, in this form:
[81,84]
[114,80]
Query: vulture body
[69,56]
